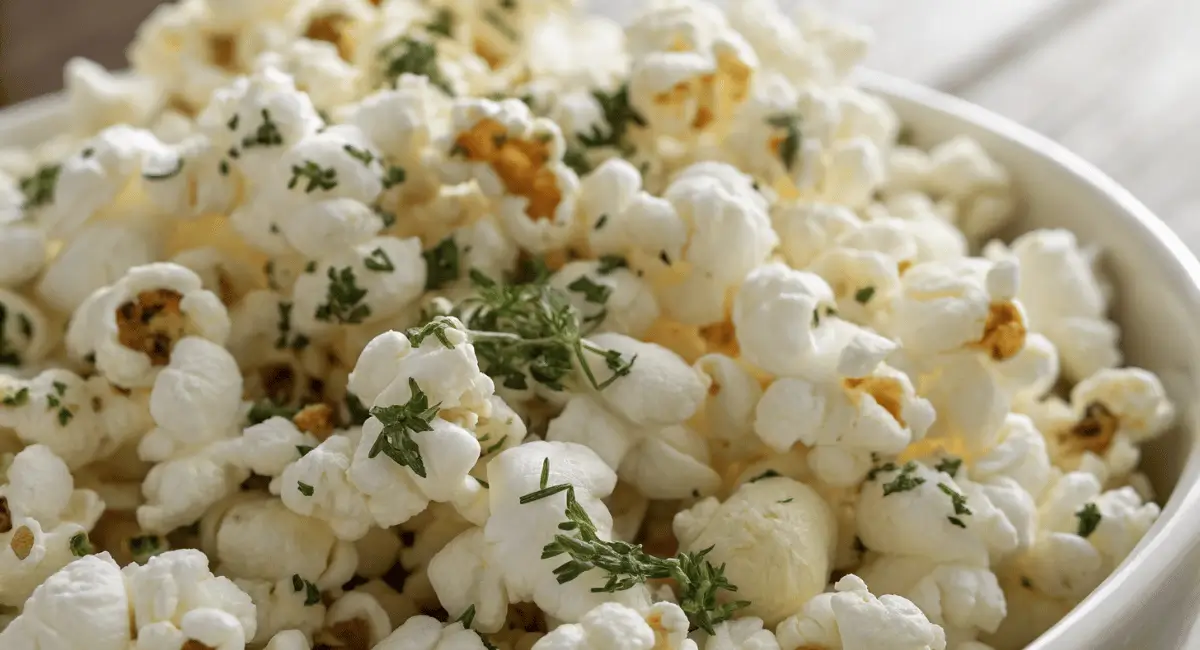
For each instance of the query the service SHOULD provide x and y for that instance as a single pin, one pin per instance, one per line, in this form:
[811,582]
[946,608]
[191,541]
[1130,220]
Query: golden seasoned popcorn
[491,324]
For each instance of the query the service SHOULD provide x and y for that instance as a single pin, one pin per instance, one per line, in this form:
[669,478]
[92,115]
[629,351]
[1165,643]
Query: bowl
[1148,602]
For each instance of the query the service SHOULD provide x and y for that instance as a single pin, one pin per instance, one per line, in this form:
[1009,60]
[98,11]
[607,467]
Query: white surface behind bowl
[1151,600]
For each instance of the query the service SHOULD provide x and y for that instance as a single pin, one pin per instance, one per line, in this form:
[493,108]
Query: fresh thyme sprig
[531,329]
[628,565]
[399,423]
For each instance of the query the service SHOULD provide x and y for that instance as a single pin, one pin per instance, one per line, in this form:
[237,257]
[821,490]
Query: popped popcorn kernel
[493,325]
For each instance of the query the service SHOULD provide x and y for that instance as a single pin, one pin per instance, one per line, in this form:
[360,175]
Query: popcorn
[467,325]
[785,535]
[851,618]
[846,423]
[517,161]
[132,326]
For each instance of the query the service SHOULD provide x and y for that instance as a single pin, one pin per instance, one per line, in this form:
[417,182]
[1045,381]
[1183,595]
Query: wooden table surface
[1118,81]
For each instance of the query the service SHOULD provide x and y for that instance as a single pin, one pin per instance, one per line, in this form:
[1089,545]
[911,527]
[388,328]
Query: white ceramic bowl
[1150,601]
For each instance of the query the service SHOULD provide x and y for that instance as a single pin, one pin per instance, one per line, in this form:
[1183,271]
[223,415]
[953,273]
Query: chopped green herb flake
[399,423]
[592,292]
[343,299]
[304,488]
[379,262]
[39,188]
[81,545]
[361,155]
[312,595]
[959,501]
[393,177]
[790,145]
[957,522]
[767,474]
[303,450]
[318,178]
[610,263]
[1089,519]
[441,264]
[904,481]
[619,115]
[266,134]
[864,295]
[949,466]
[406,55]
[19,398]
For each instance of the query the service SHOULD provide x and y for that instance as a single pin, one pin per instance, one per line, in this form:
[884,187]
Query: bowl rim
[1165,546]
[1168,542]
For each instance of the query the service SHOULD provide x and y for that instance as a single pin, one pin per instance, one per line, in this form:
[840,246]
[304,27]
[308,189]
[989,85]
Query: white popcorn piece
[133,326]
[851,618]
[774,537]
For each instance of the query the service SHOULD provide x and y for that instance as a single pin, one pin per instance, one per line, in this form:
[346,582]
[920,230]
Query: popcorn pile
[461,325]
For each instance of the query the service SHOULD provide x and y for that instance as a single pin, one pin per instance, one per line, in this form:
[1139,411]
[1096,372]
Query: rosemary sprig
[628,565]
[399,423]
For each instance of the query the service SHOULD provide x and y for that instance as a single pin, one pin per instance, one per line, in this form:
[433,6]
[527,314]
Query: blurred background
[1117,81]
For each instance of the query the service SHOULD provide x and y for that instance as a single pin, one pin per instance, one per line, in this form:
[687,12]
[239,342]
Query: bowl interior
[1157,301]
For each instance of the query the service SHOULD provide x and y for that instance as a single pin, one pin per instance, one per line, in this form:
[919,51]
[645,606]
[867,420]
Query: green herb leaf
[39,188]
[81,545]
[399,423]
[343,299]
[904,481]
[1089,519]
[959,501]
[393,177]
[266,134]
[620,116]
[767,474]
[531,330]
[949,465]
[144,547]
[467,617]
[304,488]
[435,328]
[864,295]
[303,450]
[957,522]
[319,178]
[19,398]
[626,565]
[790,146]
[406,55]
[592,292]
[312,595]
[379,262]
[441,264]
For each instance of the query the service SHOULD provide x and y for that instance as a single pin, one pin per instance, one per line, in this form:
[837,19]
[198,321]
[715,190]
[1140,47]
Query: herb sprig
[532,330]
[627,565]
[399,423]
